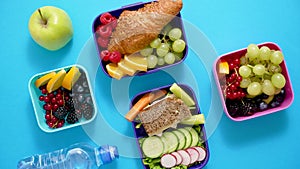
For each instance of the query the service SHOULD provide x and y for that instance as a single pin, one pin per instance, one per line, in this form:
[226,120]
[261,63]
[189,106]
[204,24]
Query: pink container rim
[289,98]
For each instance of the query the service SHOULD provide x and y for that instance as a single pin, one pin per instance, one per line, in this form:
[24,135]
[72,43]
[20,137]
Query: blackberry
[69,103]
[233,108]
[72,118]
[61,113]
[78,113]
[87,111]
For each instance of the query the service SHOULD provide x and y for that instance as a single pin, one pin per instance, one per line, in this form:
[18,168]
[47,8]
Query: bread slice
[164,114]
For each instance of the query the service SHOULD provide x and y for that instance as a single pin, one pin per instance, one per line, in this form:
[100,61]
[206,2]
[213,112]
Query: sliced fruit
[56,81]
[125,68]
[114,71]
[153,147]
[180,93]
[44,79]
[71,77]
[224,68]
[136,61]
[168,161]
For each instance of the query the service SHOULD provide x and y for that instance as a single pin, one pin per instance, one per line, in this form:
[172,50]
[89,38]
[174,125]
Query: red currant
[51,95]
[60,102]
[48,117]
[41,98]
[44,91]
[47,106]
[53,100]
[58,96]
[46,99]
[236,61]
[231,66]
[239,78]
[55,107]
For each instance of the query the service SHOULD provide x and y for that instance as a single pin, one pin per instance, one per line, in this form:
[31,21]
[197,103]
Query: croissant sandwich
[137,29]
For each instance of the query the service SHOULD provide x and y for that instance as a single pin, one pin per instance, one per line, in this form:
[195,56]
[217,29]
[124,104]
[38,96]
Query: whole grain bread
[163,114]
[137,29]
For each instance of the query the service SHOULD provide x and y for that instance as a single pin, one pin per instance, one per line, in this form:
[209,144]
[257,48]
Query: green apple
[50,27]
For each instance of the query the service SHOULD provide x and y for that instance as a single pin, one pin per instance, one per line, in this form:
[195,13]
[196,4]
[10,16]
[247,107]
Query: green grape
[245,82]
[255,79]
[268,88]
[276,57]
[255,61]
[243,60]
[178,45]
[259,69]
[178,56]
[169,58]
[160,61]
[267,76]
[278,80]
[175,34]
[155,43]
[244,71]
[152,61]
[162,50]
[264,53]
[254,89]
[147,51]
[274,68]
[252,51]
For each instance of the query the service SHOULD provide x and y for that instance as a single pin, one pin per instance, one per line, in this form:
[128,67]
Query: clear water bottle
[77,156]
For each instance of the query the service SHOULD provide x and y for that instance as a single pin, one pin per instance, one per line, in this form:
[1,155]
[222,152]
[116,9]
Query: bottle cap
[108,153]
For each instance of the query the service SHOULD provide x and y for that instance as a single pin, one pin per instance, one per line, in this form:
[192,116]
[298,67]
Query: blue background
[267,142]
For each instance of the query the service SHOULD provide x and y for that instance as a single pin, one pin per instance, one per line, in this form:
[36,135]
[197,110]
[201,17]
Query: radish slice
[186,159]
[194,154]
[178,157]
[168,161]
[202,153]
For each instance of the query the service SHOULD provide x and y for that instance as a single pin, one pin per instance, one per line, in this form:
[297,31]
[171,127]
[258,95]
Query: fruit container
[140,132]
[82,104]
[176,22]
[220,79]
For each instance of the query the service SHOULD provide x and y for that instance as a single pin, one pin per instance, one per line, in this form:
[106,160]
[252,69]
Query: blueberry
[264,96]
[85,84]
[79,89]
[80,98]
[279,98]
[274,103]
[263,106]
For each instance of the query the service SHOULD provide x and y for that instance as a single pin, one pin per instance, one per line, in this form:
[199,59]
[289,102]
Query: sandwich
[163,114]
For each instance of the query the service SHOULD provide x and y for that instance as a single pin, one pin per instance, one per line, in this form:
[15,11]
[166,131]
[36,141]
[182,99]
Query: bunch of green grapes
[261,71]
[165,49]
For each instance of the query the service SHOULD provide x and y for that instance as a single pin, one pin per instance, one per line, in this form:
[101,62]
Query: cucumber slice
[180,93]
[188,137]
[195,136]
[153,147]
[164,140]
[181,139]
[171,140]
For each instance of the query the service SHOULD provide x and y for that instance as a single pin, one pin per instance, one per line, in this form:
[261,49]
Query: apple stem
[44,20]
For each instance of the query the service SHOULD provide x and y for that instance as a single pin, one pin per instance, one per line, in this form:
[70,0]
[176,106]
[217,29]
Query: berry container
[289,94]
[39,111]
[176,22]
[141,133]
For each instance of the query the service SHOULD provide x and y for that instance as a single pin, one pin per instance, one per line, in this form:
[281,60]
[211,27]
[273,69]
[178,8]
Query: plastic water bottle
[77,156]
